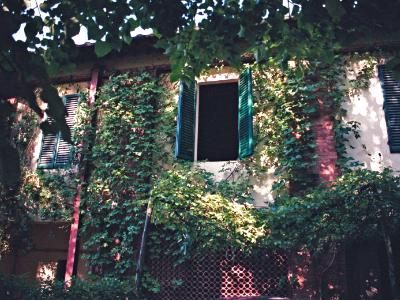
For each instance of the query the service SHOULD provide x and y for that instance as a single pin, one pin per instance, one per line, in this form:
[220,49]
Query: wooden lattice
[228,274]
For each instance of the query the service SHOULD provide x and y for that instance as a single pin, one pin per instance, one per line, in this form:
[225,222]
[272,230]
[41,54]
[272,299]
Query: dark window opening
[218,122]
[61,269]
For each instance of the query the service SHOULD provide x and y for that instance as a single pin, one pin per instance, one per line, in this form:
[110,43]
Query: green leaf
[335,9]
[102,48]
[127,38]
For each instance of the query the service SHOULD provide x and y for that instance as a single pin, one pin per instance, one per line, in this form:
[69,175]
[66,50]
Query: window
[55,152]
[61,269]
[391,106]
[217,134]
[224,116]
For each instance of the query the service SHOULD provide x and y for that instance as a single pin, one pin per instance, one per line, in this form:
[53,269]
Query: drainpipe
[73,235]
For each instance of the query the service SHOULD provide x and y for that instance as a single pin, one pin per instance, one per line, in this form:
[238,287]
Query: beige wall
[366,107]
[262,185]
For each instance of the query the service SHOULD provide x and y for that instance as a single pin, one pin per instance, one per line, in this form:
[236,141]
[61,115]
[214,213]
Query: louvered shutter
[184,147]
[63,152]
[391,94]
[56,152]
[245,121]
[48,150]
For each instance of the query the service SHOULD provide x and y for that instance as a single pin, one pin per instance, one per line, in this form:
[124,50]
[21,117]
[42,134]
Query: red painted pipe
[73,235]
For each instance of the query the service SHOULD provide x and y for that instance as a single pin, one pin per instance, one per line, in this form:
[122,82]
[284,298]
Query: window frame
[186,118]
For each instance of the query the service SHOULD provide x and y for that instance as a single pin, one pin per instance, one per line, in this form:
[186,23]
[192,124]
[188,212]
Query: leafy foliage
[17,287]
[49,195]
[362,77]
[131,163]
[286,103]
[127,150]
[46,194]
[196,218]
[15,219]
[354,207]
[192,33]
[14,223]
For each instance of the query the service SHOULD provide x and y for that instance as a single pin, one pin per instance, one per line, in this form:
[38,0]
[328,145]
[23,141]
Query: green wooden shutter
[48,150]
[391,94]
[245,121]
[184,147]
[63,152]
[56,152]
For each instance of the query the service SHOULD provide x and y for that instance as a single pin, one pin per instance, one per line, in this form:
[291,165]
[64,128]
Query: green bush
[18,287]
[358,205]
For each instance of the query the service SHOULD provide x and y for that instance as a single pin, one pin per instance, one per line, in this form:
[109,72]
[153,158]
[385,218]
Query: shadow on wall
[372,147]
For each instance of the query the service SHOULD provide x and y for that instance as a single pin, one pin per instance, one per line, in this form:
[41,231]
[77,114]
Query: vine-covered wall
[132,161]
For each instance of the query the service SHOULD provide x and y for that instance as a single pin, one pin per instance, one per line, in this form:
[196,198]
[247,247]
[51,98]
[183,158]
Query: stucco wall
[262,185]
[366,107]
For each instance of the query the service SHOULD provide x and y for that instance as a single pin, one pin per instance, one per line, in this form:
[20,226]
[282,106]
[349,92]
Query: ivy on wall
[43,194]
[284,106]
[196,216]
[15,218]
[49,195]
[128,150]
[131,158]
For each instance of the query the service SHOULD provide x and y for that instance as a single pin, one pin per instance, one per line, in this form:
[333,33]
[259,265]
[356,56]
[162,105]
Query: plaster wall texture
[366,107]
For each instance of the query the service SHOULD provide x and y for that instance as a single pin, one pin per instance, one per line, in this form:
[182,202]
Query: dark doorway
[218,122]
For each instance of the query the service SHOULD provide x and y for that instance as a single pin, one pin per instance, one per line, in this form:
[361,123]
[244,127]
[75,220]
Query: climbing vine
[128,149]
[197,216]
[132,162]
[15,218]
[43,194]
[49,195]
[132,156]
[129,158]
[360,79]
[284,107]
[288,100]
